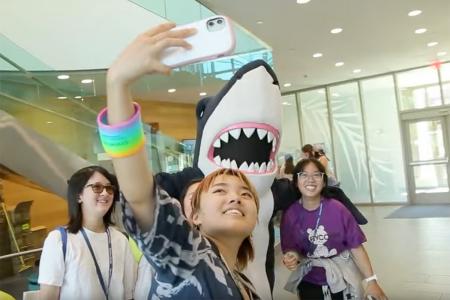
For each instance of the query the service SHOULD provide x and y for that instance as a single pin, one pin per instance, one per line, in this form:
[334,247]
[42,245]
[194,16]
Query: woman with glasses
[322,243]
[89,259]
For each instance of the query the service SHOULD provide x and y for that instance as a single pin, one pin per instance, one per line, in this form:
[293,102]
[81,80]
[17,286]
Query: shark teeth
[263,134]
[252,167]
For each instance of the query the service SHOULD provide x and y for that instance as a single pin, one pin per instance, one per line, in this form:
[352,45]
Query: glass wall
[419,88]
[349,142]
[445,78]
[383,140]
[290,139]
[315,124]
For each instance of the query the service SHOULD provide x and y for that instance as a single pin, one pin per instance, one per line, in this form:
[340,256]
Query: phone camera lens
[219,21]
[211,23]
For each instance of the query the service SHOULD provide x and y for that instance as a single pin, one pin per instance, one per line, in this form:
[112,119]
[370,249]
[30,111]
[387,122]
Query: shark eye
[201,106]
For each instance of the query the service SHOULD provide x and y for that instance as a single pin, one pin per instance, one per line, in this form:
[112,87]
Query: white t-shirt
[77,277]
[144,280]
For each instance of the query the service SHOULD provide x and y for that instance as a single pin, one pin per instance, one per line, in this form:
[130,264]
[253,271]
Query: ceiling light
[63,76]
[317,55]
[442,53]
[287,84]
[259,22]
[432,44]
[62,97]
[77,97]
[286,103]
[420,31]
[171,90]
[414,13]
[302,1]
[87,80]
[336,30]
[202,94]
[357,71]
[339,64]
[49,122]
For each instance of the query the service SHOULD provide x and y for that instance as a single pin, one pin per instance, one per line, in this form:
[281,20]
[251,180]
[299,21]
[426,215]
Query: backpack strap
[63,232]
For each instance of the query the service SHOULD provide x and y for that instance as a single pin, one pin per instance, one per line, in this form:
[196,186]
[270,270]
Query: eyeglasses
[98,188]
[316,176]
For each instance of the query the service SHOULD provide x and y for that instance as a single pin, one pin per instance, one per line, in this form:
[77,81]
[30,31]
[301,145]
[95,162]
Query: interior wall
[47,209]
[176,120]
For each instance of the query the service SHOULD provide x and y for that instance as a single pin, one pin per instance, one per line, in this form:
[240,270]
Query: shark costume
[241,128]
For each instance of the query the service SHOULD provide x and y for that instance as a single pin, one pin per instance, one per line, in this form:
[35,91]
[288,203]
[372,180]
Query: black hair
[76,184]
[289,165]
[300,167]
[184,191]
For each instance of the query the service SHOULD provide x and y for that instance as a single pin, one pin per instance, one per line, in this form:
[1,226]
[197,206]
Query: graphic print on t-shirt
[318,240]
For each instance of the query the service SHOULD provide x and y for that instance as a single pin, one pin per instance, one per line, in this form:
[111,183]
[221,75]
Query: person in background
[97,262]
[203,261]
[308,151]
[287,167]
[323,244]
[186,197]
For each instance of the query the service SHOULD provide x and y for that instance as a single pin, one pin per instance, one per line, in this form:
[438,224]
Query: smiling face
[228,207]
[310,180]
[98,202]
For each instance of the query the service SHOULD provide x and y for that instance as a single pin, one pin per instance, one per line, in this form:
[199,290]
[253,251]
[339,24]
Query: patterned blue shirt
[186,264]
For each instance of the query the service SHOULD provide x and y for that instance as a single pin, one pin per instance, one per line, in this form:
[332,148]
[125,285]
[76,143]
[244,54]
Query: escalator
[36,157]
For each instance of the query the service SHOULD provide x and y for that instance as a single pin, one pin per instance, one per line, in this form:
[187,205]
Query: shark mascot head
[240,127]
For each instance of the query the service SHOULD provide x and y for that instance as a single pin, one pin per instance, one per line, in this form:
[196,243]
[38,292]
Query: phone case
[206,44]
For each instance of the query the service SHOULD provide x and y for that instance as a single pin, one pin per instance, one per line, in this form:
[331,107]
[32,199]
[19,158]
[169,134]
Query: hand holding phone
[214,38]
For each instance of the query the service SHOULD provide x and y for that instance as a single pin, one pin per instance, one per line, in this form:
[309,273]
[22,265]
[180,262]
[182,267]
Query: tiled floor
[410,256]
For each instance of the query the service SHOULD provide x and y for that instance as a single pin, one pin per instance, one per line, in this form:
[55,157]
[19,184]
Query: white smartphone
[214,38]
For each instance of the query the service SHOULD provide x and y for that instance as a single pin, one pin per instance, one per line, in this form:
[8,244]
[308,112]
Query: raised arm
[141,57]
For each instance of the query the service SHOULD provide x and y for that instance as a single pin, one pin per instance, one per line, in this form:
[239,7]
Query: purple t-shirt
[337,231]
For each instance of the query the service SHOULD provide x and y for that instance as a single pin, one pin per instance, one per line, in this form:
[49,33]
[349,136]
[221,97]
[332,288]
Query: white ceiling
[378,35]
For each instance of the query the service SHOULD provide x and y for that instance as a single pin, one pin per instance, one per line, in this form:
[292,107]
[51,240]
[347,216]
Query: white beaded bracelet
[373,277]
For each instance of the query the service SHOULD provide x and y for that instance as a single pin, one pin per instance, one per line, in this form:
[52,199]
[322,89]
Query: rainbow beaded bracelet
[123,139]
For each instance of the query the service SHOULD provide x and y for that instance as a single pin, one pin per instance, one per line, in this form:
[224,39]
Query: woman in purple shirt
[322,243]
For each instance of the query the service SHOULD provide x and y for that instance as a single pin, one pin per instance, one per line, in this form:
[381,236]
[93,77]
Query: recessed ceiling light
[317,55]
[202,94]
[414,13]
[286,103]
[63,76]
[442,53]
[336,30]
[62,97]
[302,1]
[49,122]
[420,31]
[259,22]
[432,44]
[87,80]
[77,97]
[287,84]
[339,64]
[357,71]
[171,90]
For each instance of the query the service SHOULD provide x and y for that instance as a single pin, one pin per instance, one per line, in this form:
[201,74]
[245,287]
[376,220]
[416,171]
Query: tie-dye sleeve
[172,246]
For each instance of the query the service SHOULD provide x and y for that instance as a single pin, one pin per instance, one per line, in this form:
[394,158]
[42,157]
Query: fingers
[159,29]
[172,42]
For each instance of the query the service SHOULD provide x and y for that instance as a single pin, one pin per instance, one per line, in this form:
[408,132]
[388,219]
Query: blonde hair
[246,252]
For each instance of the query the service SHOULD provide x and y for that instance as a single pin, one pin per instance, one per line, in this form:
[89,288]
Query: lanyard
[310,248]
[97,268]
